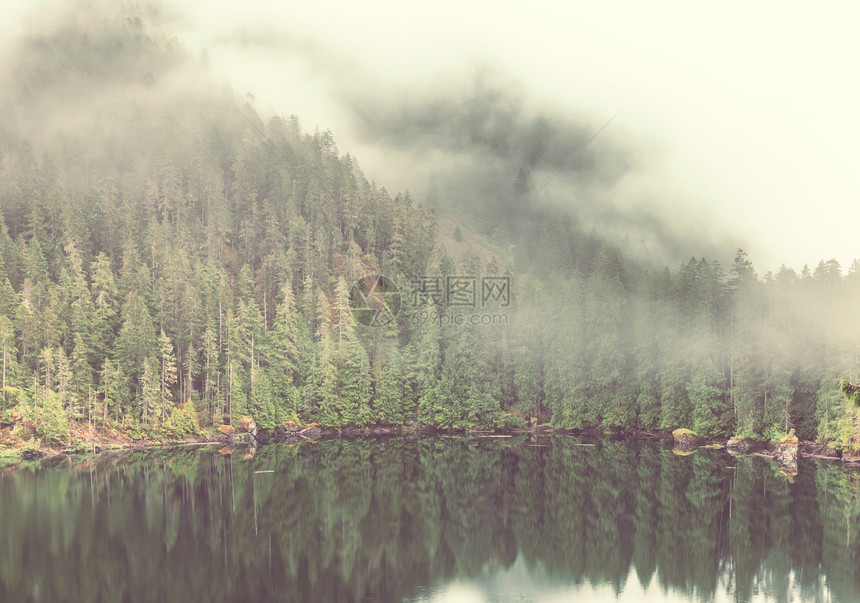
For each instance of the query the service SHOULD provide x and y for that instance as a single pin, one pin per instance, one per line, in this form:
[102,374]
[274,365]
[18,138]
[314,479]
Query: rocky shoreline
[786,452]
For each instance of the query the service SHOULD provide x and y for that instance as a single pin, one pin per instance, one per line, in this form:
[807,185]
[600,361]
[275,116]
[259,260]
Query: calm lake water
[439,519]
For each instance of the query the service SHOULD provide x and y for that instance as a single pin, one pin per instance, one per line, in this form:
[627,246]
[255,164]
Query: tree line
[184,263]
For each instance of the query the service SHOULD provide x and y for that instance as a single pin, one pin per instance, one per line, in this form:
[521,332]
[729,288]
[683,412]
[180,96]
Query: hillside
[458,240]
[171,260]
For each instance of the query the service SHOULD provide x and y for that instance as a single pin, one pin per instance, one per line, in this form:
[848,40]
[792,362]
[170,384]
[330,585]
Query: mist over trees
[171,259]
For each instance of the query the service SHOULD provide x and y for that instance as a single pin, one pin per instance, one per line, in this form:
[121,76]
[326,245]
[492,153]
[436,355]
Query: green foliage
[389,394]
[183,421]
[33,446]
[829,412]
[215,263]
[707,401]
[136,431]
[851,390]
[847,435]
[353,387]
[10,453]
[789,439]
[78,447]
[511,421]
[52,424]
[745,434]
[773,434]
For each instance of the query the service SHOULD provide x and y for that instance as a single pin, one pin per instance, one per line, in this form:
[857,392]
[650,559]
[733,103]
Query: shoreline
[105,441]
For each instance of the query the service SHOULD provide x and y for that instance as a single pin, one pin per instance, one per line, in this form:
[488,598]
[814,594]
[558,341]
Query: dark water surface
[440,519]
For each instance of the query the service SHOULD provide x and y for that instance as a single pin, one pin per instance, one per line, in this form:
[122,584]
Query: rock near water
[248,424]
[787,451]
[685,439]
[741,445]
[289,432]
[311,432]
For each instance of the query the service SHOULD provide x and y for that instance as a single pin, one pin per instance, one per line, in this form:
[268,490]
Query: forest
[170,260]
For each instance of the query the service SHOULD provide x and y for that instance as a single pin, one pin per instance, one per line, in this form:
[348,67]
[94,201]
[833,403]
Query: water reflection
[444,519]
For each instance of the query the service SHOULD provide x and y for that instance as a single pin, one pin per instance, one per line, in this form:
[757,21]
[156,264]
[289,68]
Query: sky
[737,122]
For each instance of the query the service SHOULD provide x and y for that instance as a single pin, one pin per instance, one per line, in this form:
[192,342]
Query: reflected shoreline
[386,518]
[53,456]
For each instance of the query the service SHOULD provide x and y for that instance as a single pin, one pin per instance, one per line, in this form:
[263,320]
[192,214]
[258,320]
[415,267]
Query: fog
[738,124]
[717,129]
[548,131]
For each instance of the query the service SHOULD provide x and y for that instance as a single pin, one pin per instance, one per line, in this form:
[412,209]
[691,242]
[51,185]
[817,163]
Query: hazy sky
[742,116]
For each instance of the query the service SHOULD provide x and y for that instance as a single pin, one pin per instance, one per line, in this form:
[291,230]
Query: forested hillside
[170,259]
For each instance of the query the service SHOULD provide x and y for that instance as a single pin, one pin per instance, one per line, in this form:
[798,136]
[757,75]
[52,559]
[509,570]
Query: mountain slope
[170,259]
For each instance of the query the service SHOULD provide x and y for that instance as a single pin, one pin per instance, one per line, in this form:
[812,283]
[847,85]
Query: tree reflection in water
[392,520]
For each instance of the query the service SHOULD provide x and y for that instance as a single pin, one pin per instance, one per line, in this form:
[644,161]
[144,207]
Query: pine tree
[36,266]
[706,399]
[467,396]
[8,298]
[9,388]
[53,424]
[388,388]
[344,326]
[150,391]
[426,367]
[110,384]
[262,405]
[135,343]
[353,388]
[167,372]
[211,372]
[325,404]
[531,341]
[285,334]
[105,313]
[63,379]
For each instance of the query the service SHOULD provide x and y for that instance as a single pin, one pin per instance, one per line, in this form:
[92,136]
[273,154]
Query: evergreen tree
[167,373]
[353,389]
[8,298]
[322,388]
[466,396]
[9,384]
[388,390]
[426,367]
[135,343]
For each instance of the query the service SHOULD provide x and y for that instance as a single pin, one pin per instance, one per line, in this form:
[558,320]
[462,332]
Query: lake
[435,519]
